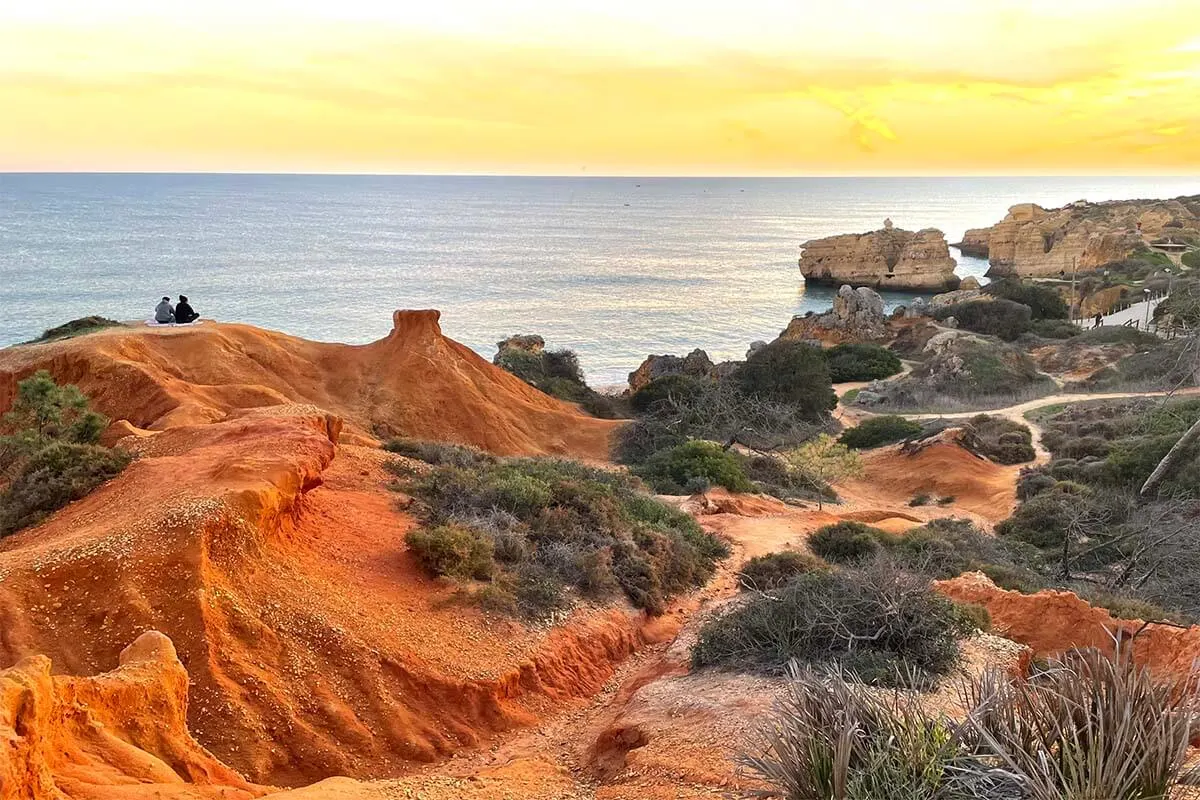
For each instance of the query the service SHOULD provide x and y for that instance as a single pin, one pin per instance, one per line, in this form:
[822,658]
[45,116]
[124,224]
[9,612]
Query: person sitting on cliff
[184,312]
[164,313]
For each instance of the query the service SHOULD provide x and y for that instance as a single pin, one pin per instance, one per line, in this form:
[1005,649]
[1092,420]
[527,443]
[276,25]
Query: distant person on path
[164,314]
[184,312]
[1099,319]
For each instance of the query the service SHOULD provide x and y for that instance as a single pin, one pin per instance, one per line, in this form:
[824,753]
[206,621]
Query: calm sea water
[615,268]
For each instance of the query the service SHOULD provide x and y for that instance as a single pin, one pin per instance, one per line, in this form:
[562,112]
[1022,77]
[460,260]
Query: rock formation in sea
[857,316]
[1032,241]
[889,258]
[696,363]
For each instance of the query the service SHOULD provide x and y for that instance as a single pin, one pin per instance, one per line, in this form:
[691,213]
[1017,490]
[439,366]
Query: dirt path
[1017,412]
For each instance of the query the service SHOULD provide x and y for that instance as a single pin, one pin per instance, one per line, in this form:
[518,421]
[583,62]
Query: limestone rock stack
[889,258]
[1032,241]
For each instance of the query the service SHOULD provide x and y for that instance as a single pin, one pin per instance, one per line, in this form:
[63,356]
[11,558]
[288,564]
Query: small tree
[819,462]
[49,411]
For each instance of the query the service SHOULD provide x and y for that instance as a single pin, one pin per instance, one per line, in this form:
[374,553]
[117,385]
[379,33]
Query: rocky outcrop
[113,735]
[857,316]
[696,363]
[1032,241]
[528,342]
[889,259]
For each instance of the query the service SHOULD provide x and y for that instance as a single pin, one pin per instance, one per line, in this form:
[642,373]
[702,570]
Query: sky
[631,87]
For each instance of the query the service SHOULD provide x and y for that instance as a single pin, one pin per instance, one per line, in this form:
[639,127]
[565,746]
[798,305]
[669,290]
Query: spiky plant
[1088,726]
[834,738]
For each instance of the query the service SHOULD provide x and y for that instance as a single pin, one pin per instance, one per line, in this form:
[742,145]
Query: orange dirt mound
[117,735]
[1051,622]
[941,468]
[416,382]
[315,645]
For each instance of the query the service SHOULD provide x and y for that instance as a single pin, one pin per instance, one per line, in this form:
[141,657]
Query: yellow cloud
[980,87]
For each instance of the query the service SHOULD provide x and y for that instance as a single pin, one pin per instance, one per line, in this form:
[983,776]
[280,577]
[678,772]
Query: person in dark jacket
[184,312]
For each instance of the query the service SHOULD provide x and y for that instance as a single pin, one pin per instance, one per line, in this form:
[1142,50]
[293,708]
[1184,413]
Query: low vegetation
[1086,725]
[1001,318]
[48,452]
[964,374]
[846,542]
[861,362]
[1000,439]
[1044,302]
[558,374]
[886,625]
[693,467]
[767,572]
[545,532]
[878,431]
[1086,513]
[791,373]
[76,327]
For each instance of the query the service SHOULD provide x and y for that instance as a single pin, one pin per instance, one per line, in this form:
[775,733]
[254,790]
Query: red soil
[942,468]
[314,644]
[1051,622]
[416,382]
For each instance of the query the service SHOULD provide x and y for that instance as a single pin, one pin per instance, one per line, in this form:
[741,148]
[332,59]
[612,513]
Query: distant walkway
[1138,315]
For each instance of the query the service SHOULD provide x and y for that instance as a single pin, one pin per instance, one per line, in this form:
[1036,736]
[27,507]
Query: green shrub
[1002,440]
[76,327]
[452,551]
[438,453]
[946,548]
[974,616]
[1042,521]
[919,500]
[527,366]
[1191,259]
[47,452]
[792,373]
[558,374]
[846,542]
[55,475]
[1044,302]
[877,618]
[878,431]
[1002,318]
[1055,329]
[555,526]
[1118,334]
[669,471]
[861,362]
[770,571]
[1123,606]
[672,389]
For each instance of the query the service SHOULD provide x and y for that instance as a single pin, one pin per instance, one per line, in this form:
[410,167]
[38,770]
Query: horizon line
[631,175]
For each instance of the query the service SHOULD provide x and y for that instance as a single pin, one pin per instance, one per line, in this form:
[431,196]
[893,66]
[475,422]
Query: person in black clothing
[183,311]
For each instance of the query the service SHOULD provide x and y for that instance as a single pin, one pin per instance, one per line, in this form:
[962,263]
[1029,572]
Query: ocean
[614,268]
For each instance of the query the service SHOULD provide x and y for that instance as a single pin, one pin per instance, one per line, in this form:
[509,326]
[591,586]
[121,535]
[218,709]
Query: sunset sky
[795,87]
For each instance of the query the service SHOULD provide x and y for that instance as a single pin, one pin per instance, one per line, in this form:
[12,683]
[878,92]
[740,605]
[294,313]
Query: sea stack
[890,259]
